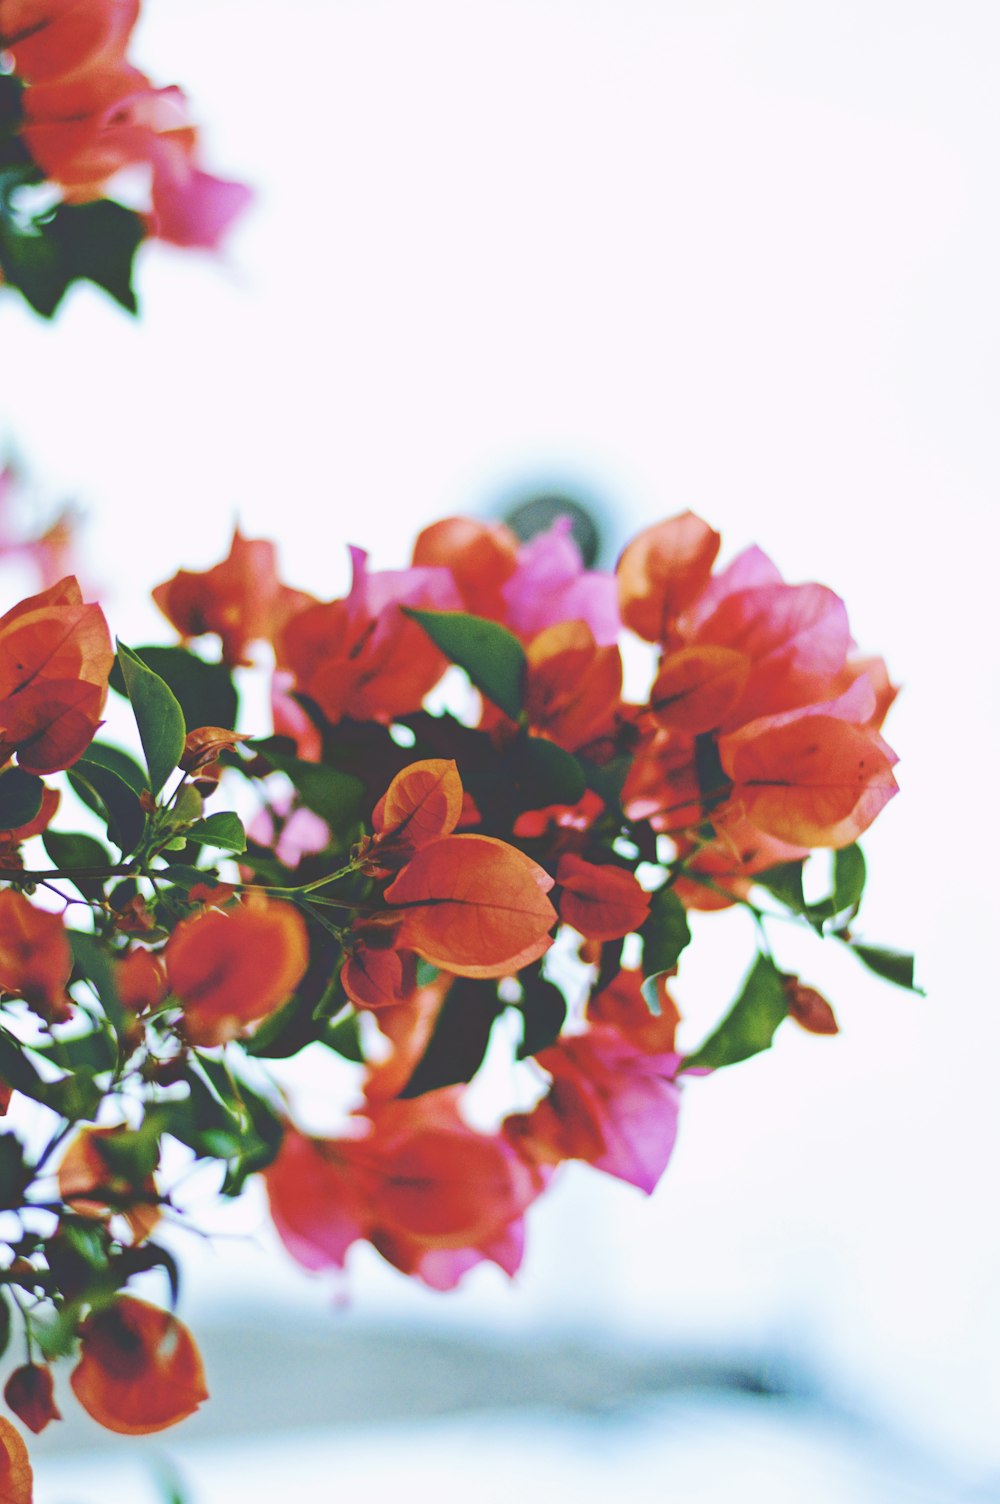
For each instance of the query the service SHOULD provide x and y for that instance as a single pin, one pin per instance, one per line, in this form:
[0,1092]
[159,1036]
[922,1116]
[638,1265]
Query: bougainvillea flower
[35,957]
[720,871]
[811,778]
[141,977]
[291,833]
[378,978]
[15,1468]
[480,556]
[85,1171]
[474,906]
[602,903]
[241,599]
[573,686]
[609,1104]
[360,656]
[408,1027]
[796,638]
[550,585]
[55,658]
[422,802]
[51,39]
[29,1393]
[661,572]
[231,967]
[433,1196]
[697,688]
[139,1368]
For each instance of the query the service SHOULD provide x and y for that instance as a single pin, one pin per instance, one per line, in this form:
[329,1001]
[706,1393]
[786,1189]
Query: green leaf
[546,774]
[894,965]
[16,1067]
[112,799]
[30,261]
[543,1008]
[344,1038]
[749,1026]
[14,1173]
[491,656]
[157,714]
[849,875]
[462,1032]
[89,1054]
[224,830]
[205,691]
[785,882]
[70,849]
[5,1323]
[338,798]
[98,241]
[20,798]
[92,961]
[665,934]
[125,767]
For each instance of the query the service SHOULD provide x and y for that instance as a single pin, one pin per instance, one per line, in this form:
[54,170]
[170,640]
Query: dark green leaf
[30,261]
[121,763]
[664,936]
[112,800]
[158,716]
[4,1323]
[458,1045]
[75,1097]
[749,1026]
[92,961]
[205,691]
[89,1054]
[491,656]
[98,241]
[69,849]
[20,798]
[16,1067]
[544,1011]
[339,798]
[785,882]
[344,1038]
[894,965]
[14,1173]
[224,830]
[546,774]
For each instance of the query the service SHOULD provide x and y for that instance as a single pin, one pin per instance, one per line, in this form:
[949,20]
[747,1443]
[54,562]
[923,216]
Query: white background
[737,256]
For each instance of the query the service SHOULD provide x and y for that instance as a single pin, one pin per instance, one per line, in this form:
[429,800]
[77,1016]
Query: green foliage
[43,255]
[20,798]
[491,656]
[205,691]
[223,830]
[111,797]
[158,716]
[749,1026]
[14,1173]
[785,882]
[458,1045]
[4,1323]
[545,774]
[69,849]
[543,1009]
[337,797]
[894,965]
[92,962]
[665,934]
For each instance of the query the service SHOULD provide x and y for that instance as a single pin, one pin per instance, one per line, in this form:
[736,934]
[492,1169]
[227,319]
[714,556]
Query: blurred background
[650,255]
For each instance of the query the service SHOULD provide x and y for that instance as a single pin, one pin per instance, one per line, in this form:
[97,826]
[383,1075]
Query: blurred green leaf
[458,1045]
[665,934]
[223,830]
[893,965]
[543,1009]
[749,1026]
[491,656]
[20,798]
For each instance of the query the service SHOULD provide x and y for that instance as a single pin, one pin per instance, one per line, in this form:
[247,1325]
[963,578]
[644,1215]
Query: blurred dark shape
[536,513]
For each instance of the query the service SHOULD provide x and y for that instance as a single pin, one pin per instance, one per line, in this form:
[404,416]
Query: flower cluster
[74,113]
[411,878]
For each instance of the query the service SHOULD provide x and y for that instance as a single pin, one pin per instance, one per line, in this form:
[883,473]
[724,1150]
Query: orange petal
[473,905]
[139,1368]
[603,903]
[422,802]
[15,1469]
[696,688]
[662,571]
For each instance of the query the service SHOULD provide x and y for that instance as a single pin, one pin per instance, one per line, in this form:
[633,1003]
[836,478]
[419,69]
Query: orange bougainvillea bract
[139,1369]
